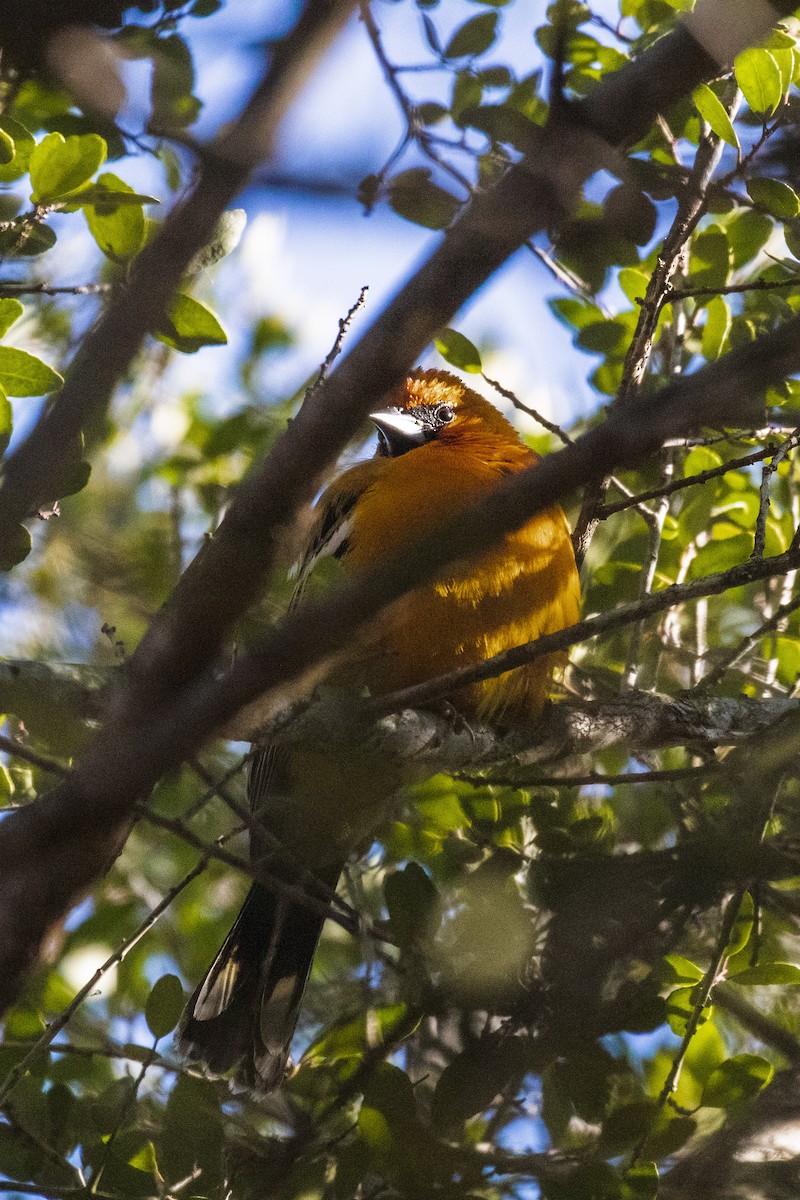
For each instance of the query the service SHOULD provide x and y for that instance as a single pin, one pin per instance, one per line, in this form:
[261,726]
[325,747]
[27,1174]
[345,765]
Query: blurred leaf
[25,238]
[473,38]
[737,1079]
[7,148]
[680,1009]
[353,1038]
[640,1182]
[190,325]
[192,1135]
[748,232]
[716,328]
[15,545]
[458,351]
[226,238]
[23,143]
[164,1005]
[60,165]
[22,374]
[709,263]
[413,903]
[174,105]
[768,974]
[473,1078]
[413,195]
[10,311]
[742,927]
[632,213]
[626,1126]
[776,197]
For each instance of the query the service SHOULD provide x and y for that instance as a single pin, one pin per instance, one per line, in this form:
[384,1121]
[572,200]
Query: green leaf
[748,232]
[712,110]
[458,351]
[413,903]
[640,1182]
[631,213]
[716,328]
[192,1135]
[22,374]
[23,145]
[172,83]
[710,258]
[413,195]
[759,77]
[737,1079]
[742,926]
[190,325]
[430,113]
[680,1007]
[767,974]
[351,1040]
[25,238]
[471,1081]
[699,459]
[226,238]
[6,421]
[681,970]
[604,337]
[473,38]
[7,148]
[776,197]
[108,196]
[15,544]
[60,165]
[633,283]
[117,227]
[164,1005]
[10,311]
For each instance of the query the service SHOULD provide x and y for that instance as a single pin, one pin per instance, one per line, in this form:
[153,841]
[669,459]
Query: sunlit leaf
[758,76]
[22,374]
[164,1005]
[60,165]
[458,351]
[737,1079]
[190,325]
[712,110]
[768,974]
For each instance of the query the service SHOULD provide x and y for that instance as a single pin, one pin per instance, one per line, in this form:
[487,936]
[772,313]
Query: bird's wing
[330,532]
[329,538]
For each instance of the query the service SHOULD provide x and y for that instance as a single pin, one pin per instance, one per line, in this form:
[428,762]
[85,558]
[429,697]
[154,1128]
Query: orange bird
[442,447]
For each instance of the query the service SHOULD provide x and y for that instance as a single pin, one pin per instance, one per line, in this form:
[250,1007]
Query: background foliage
[589,968]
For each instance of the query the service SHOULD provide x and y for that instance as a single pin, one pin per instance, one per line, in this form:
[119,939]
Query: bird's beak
[399,431]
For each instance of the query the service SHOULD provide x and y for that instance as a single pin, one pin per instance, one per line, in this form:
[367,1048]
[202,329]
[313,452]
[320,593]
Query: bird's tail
[244,1011]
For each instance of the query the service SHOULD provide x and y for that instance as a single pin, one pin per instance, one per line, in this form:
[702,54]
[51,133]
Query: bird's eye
[444,414]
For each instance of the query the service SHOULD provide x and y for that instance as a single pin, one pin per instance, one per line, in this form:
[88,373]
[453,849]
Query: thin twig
[616,618]
[732,464]
[702,995]
[591,778]
[9,287]
[18,750]
[125,946]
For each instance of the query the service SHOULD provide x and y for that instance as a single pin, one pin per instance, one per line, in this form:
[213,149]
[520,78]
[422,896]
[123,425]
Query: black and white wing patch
[329,537]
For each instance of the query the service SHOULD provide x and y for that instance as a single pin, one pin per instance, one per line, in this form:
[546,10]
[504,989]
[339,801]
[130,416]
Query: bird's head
[435,406]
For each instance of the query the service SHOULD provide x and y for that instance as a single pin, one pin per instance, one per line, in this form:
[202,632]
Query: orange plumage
[525,586]
[442,447]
